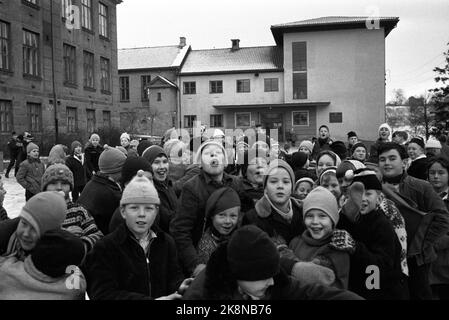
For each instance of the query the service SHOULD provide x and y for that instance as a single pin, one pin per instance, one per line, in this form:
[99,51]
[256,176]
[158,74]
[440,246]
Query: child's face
[279,186]
[318,223]
[257,288]
[226,221]
[370,201]
[384,133]
[160,168]
[124,142]
[27,235]
[324,133]
[256,170]
[353,140]
[78,150]
[212,160]
[438,176]
[95,141]
[303,190]
[34,153]
[330,182]
[414,150]
[59,185]
[139,217]
[305,150]
[360,154]
[324,162]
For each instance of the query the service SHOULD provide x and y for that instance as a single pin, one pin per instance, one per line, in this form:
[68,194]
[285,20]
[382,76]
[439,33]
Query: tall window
[90,117]
[189,87]
[299,66]
[271,84]
[106,119]
[216,120]
[5,116]
[66,6]
[86,14]
[30,53]
[34,116]
[89,79]
[216,86]
[188,121]
[4,46]
[243,85]
[159,96]
[105,75]
[103,20]
[124,88]
[69,64]
[145,80]
[71,119]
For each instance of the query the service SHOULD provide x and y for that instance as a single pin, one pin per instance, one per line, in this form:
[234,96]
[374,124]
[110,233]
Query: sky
[413,48]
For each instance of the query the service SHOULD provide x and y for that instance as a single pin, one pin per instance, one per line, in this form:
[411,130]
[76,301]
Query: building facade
[58,69]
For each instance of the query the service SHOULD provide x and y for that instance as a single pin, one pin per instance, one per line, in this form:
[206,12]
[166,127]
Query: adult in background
[324,141]
[352,140]
[384,135]
[13,153]
[92,155]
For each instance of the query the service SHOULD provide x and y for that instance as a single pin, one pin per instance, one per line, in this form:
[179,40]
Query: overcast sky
[413,48]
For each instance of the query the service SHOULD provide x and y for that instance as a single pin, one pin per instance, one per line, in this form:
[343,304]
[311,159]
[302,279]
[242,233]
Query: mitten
[343,241]
[351,208]
[311,273]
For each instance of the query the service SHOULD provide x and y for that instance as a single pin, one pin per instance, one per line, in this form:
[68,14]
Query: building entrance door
[270,120]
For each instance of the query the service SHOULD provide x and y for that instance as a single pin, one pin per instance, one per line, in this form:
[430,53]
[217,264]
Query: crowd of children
[202,221]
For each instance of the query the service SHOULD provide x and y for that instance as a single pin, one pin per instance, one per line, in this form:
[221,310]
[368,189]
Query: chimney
[182,42]
[235,44]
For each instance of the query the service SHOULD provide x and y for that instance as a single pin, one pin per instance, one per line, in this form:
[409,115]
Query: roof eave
[201,73]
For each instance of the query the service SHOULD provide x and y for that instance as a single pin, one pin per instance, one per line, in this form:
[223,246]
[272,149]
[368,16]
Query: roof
[332,23]
[151,57]
[267,58]
[161,82]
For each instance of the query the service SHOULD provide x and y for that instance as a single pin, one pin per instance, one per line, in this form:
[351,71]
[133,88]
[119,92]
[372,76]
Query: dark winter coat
[249,195]
[13,148]
[101,196]
[3,214]
[30,175]
[91,157]
[305,173]
[418,168]
[78,170]
[267,219]
[117,267]
[376,245]
[321,145]
[215,282]
[425,214]
[187,225]
[374,151]
[191,171]
[7,228]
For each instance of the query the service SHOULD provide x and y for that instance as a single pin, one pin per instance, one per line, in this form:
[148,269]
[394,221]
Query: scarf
[316,242]
[15,249]
[286,215]
[394,180]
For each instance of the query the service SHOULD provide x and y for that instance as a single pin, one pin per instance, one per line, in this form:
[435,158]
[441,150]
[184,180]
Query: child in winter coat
[303,187]
[75,162]
[50,272]
[137,260]
[92,155]
[30,172]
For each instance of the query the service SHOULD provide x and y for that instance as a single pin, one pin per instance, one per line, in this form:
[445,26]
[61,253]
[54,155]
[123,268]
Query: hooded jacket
[30,175]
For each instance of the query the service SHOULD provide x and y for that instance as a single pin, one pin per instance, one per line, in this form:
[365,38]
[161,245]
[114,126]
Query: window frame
[212,123]
[103,20]
[299,68]
[86,15]
[72,128]
[242,113]
[189,87]
[159,96]
[5,46]
[243,81]
[144,82]
[28,49]
[70,70]
[106,119]
[34,116]
[91,112]
[191,118]
[6,116]
[86,75]
[270,80]
[105,81]
[301,125]
[124,88]
[215,86]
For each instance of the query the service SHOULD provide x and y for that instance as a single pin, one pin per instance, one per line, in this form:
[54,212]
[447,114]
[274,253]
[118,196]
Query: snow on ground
[15,196]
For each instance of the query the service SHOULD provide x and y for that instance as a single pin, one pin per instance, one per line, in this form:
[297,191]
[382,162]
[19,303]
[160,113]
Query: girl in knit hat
[359,152]
[75,162]
[125,140]
[303,187]
[321,216]
[385,134]
[57,155]
[92,155]
[418,162]
[253,171]
[326,159]
[324,141]
[30,172]
[137,260]
[328,179]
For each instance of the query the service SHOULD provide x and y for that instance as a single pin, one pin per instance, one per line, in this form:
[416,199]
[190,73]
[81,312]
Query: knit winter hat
[252,255]
[385,125]
[221,200]
[339,148]
[55,251]
[418,141]
[56,155]
[298,160]
[125,135]
[331,154]
[143,145]
[326,171]
[45,211]
[322,199]
[31,146]
[305,179]
[132,166]
[347,168]
[433,144]
[278,163]
[208,143]
[352,134]
[307,144]
[57,172]
[140,190]
[368,178]
[151,153]
[356,145]
[94,135]
[111,160]
[75,144]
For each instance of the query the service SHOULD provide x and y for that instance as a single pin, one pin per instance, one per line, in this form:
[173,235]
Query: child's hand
[343,241]
[184,285]
[173,296]
[351,208]
[311,273]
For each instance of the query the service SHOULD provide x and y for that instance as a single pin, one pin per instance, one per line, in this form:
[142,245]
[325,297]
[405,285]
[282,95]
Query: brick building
[58,64]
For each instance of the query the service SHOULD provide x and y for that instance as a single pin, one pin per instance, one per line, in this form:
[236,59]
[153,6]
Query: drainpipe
[55,103]
[178,108]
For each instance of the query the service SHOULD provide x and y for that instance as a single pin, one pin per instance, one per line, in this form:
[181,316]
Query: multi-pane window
[4,46]
[106,119]
[103,20]
[30,53]
[105,75]
[300,118]
[216,86]
[90,119]
[271,84]
[86,14]
[188,121]
[216,120]
[242,119]
[34,116]
[71,119]
[66,8]
[299,67]
[69,64]
[145,81]
[89,80]
[243,85]
[189,87]
[124,88]
[5,116]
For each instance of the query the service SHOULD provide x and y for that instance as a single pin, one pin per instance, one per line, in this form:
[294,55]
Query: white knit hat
[140,190]
[433,144]
[125,135]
